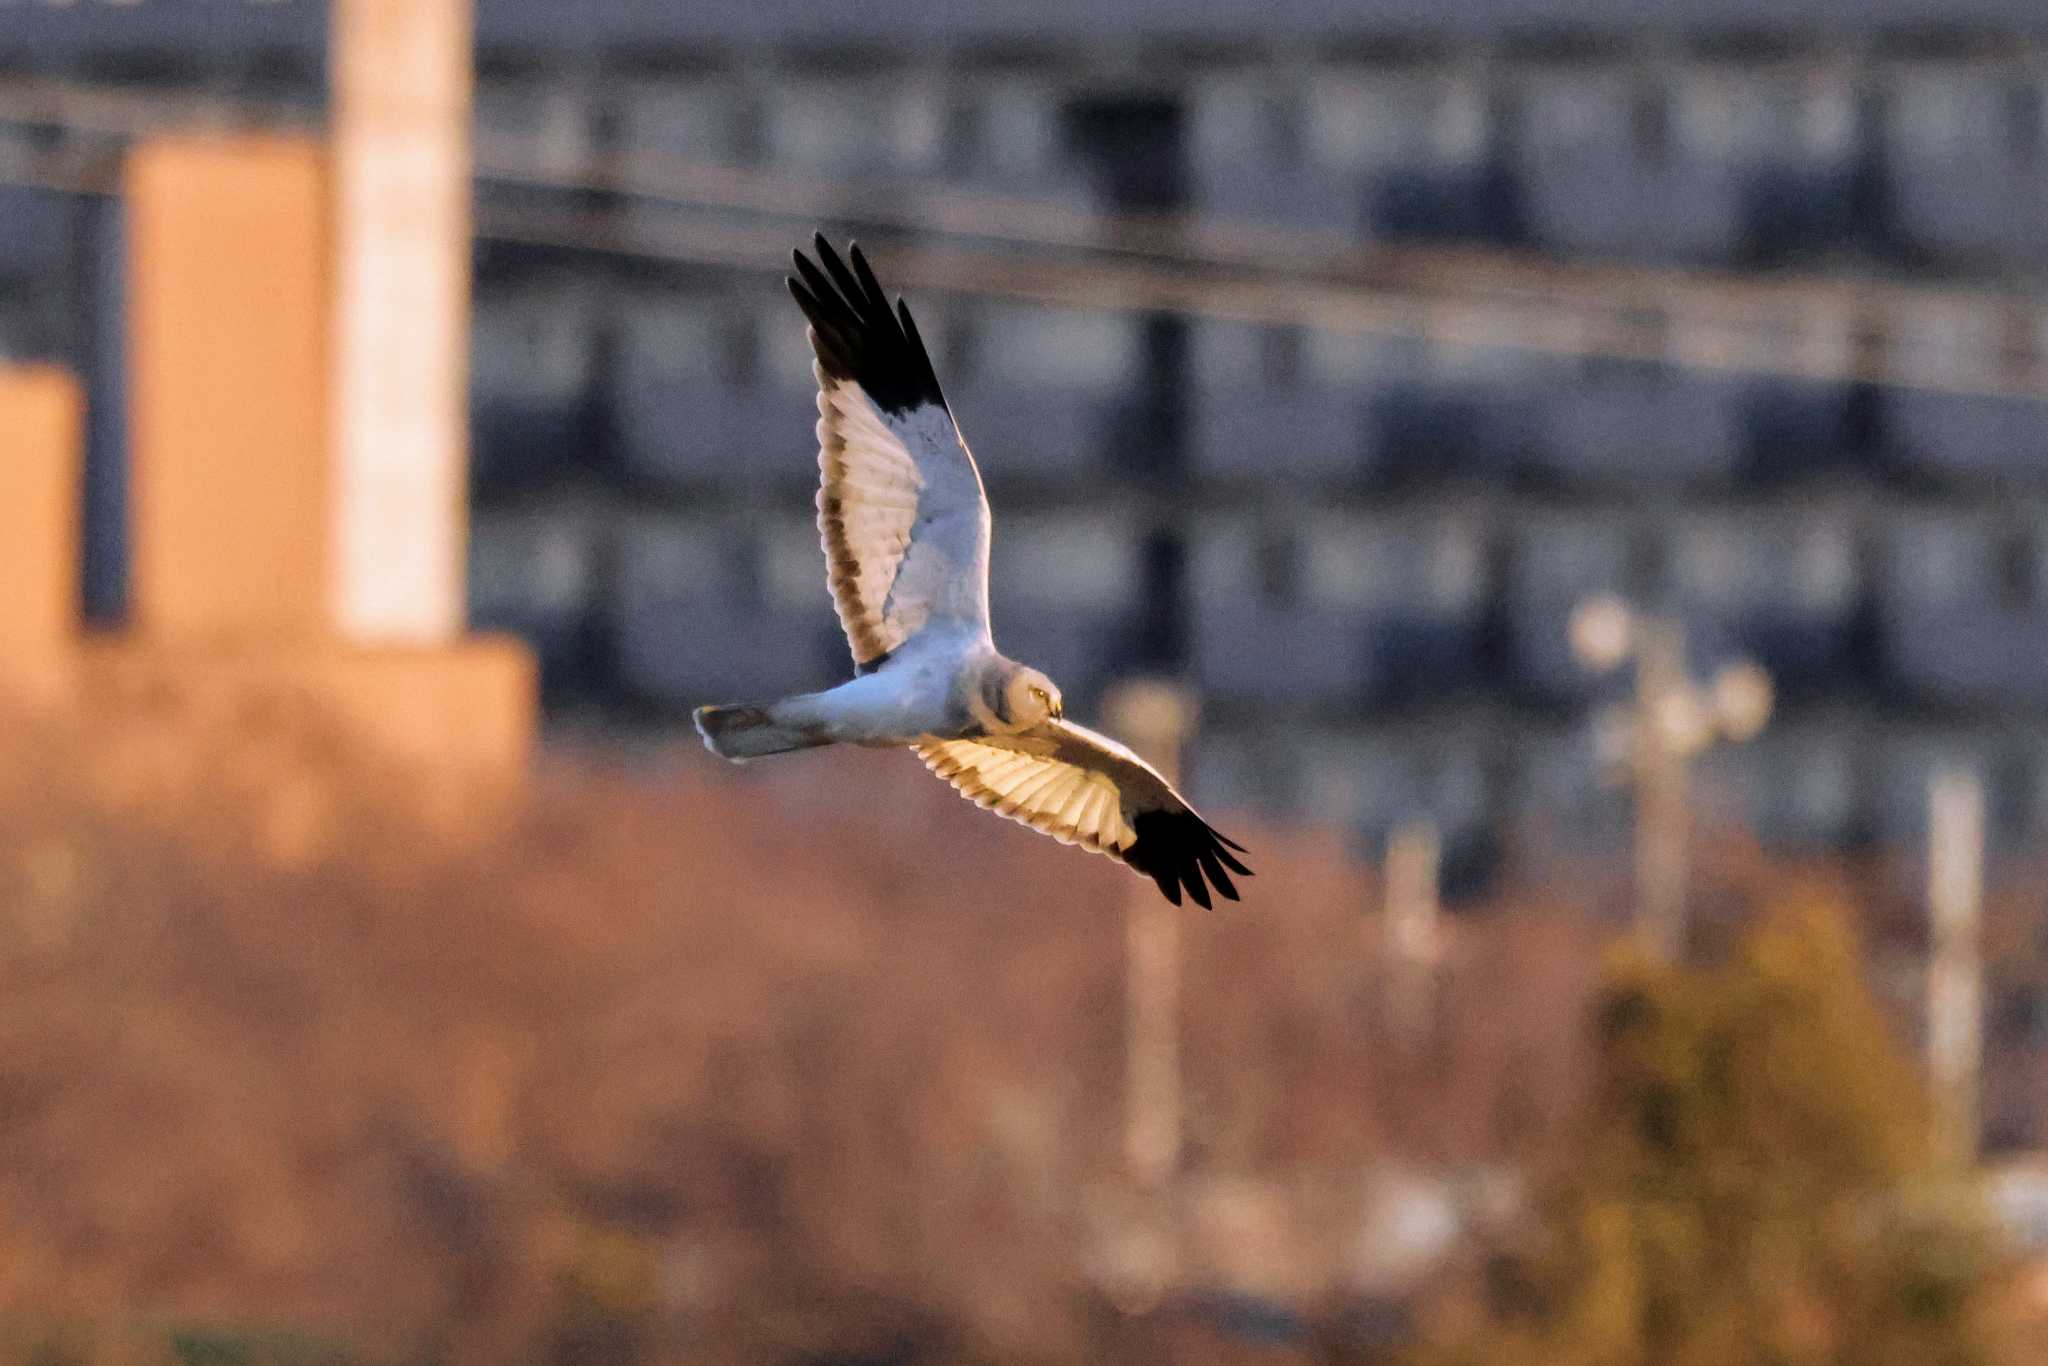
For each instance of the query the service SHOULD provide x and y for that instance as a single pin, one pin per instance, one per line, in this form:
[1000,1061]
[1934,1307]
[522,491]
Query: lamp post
[1411,941]
[1671,719]
[1955,971]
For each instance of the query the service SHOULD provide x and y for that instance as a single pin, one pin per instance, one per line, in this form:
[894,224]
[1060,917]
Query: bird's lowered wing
[1083,788]
[901,511]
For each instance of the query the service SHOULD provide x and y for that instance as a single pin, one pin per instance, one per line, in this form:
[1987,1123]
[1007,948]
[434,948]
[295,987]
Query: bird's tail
[749,730]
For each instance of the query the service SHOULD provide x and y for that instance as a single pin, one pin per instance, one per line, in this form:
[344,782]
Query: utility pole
[1670,720]
[1155,718]
[1955,972]
[1412,943]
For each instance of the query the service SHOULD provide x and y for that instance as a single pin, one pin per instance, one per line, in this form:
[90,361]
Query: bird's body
[905,528]
[920,693]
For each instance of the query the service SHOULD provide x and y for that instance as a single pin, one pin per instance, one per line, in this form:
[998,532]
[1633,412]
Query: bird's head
[1030,697]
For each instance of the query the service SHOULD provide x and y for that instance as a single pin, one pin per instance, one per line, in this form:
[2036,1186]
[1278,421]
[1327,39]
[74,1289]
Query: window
[1277,566]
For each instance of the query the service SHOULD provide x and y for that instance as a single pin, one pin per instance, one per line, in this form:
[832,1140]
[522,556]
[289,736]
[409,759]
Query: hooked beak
[1059,711]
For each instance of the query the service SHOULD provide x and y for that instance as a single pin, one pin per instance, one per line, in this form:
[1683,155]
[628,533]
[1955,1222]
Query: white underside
[905,700]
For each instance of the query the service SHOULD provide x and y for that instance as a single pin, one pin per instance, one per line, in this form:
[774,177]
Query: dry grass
[660,1062]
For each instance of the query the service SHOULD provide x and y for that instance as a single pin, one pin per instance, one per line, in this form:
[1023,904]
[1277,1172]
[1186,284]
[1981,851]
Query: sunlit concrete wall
[229,313]
[231,277]
[40,443]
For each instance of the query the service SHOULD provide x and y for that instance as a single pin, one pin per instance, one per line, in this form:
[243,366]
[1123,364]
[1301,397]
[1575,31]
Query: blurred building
[1378,537]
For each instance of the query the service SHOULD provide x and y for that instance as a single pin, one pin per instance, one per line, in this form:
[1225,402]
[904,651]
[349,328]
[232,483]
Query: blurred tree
[1753,1183]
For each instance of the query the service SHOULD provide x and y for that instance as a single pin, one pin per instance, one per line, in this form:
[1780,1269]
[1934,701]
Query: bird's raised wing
[900,506]
[1083,788]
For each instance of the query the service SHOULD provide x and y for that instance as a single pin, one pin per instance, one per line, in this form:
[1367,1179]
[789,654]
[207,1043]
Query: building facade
[1377,532]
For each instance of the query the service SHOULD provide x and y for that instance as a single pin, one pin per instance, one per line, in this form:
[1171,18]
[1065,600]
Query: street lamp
[1653,740]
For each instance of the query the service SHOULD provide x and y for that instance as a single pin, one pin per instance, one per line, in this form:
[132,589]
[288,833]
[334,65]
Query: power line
[1445,321]
[1803,327]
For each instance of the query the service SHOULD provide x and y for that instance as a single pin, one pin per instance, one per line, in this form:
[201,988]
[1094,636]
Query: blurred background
[1535,468]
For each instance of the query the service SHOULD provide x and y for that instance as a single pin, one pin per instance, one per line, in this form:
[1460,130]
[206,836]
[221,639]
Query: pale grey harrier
[905,527]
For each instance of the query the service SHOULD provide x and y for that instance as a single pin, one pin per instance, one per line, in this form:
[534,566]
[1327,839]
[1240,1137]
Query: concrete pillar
[228,320]
[401,76]
[41,437]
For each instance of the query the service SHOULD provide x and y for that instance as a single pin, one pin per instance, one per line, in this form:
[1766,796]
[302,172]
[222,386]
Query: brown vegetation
[665,1063]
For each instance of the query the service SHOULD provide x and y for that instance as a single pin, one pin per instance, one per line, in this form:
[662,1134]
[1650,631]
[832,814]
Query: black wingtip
[860,338]
[805,300]
[1178,850]
[1214,871]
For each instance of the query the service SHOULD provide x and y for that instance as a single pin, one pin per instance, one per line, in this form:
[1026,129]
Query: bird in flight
[905,528]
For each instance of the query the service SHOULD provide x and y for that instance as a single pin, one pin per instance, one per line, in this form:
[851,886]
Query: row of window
[709,388]
[891,120]
[1324,612]
[1717,161]
[1819,781]
[226,34]
[1948,159]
